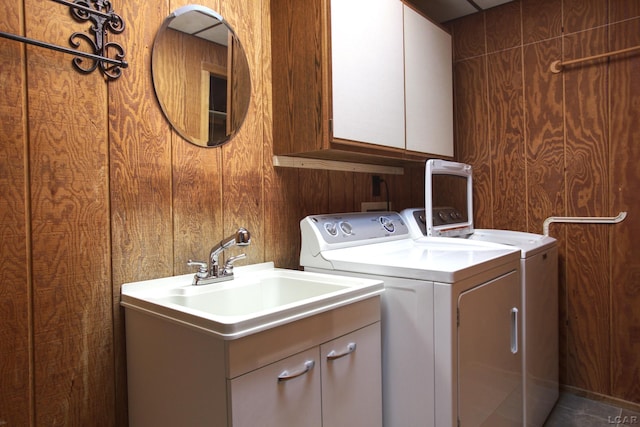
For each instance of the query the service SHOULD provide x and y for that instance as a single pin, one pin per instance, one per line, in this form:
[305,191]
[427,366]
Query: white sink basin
[258,298]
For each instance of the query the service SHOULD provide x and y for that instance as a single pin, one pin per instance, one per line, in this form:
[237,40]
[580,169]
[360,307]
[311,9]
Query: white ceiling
[446,10]
[203,25]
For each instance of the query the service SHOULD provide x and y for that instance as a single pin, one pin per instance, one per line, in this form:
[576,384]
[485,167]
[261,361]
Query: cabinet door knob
[333,355]
[287,375]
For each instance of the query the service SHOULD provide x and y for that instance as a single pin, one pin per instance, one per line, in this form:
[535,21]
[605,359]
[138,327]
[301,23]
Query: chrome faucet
[211,272]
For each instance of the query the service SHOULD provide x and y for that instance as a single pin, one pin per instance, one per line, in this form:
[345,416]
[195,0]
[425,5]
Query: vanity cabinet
[360,80]
[329,366]
[335,384]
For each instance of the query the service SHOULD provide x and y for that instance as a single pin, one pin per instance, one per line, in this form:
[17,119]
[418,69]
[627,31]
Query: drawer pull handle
[286,375]
[351,347]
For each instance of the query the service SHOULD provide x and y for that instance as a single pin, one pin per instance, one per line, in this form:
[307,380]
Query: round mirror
[201,76]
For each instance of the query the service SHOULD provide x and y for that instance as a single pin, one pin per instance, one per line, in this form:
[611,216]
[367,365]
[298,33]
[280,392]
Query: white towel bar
[583,219]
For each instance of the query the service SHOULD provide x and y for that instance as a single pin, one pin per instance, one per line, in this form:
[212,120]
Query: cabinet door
[351,379]
[489,354]
[429,86]
[368,71]
[285,393]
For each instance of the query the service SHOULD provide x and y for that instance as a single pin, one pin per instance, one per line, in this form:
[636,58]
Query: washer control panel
[358,226]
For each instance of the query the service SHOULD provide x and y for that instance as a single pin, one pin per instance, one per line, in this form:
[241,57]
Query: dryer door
[489,356]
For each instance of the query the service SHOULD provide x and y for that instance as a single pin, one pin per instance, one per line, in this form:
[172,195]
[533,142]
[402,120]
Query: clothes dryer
[448,196]
[450,317]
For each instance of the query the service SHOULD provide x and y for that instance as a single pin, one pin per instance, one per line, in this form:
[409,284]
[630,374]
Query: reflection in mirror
[201,76]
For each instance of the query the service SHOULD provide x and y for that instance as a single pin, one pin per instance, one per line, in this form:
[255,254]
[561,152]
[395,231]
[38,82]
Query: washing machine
[448,196]
[451,317]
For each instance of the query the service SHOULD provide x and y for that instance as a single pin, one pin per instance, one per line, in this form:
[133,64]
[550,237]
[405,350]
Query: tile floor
[575,411]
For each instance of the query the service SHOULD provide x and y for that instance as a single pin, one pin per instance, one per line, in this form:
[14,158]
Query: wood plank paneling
[282,216]
[506,137]
[15,294]
[69,179]
[541,20]
[587,300]
[587,259]
[140,175]
[289,31]
[472,134]
[341,191]
[314,192]
[466,43]
[580,15]
[544,134]
[624,89]
[197,202]
[504,27]
[619,10]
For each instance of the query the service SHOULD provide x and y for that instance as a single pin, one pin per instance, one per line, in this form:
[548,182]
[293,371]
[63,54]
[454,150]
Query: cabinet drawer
[257,350]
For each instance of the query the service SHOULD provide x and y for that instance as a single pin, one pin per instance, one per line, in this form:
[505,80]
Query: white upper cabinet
[368,71]
[360,80]
[429,86]
[392,77]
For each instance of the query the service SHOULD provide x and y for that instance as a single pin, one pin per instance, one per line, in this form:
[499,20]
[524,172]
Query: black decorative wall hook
[105,20]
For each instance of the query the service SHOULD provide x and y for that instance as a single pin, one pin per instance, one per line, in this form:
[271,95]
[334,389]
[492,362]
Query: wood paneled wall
[565,144]
[97,191]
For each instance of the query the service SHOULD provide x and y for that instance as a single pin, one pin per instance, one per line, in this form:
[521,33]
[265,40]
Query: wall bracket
[104,19]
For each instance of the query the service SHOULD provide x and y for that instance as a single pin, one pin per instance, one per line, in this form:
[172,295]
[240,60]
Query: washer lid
[435,259]
[529,244]
[448,198]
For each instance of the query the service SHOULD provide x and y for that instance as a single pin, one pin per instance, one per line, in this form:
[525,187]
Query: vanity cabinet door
[351,379]
[367,72]
[429,83]
[284,393]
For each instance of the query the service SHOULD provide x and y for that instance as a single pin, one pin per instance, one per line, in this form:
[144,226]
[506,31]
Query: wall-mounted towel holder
[104,20]
[557,66]
[583,219]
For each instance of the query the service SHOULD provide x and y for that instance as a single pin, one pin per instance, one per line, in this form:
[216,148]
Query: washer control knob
[387,224]
[331,228]
[346,228]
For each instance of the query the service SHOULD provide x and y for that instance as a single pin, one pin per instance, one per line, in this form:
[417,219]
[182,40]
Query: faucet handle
[203,268]
[228,265]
